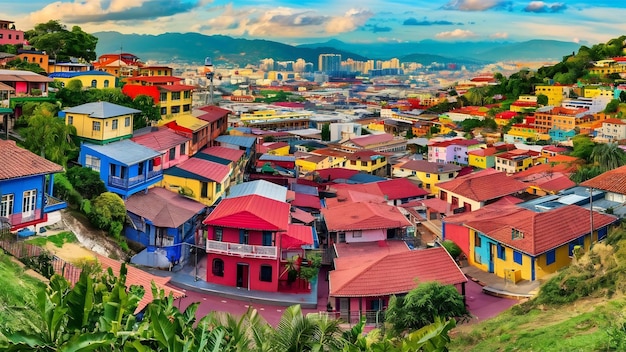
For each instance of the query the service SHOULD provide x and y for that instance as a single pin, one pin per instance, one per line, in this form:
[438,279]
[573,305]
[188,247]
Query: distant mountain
[194,47]
[480,51]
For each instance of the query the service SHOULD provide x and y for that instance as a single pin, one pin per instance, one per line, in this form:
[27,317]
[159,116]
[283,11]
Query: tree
[612,106]
[326,132]
[452,248]
[149,111]
[19,64]
[49,136]
[422,305]
[61,44]
[297,332]
[622,96]
[409,134]
[583,146]
[608,156]
[107,209]
[86,181]
[542,100]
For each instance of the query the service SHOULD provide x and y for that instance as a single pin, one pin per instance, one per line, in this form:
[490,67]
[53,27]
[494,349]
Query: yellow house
[201,180]
[598,91]
[367,161]
[173,97]
[155,71]
[88,79]
[428,173]
[308,163]
[101,122]
[518,244]
[376,126]
[555,94]
[518,160]
[521,132]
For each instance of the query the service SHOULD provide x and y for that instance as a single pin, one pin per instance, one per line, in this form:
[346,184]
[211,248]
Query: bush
[115,230]
[63,189]
[452,248]
[85,207]
[107,208]
[86,181]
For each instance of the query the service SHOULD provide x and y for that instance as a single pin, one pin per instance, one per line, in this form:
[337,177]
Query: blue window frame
[574,243]
[550,257]
[501,252]
[517,257]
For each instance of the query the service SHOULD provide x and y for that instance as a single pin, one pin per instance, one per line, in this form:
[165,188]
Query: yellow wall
[592,92]
[169,102]
[554,94]
[370,167]
[374,126]
[174,183]
[84,126]
[86,80]
[306,166]
[478,161]
[282,151]
[155,71]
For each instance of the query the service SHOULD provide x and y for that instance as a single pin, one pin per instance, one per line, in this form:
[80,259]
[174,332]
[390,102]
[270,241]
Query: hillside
[582,308]
[194,47]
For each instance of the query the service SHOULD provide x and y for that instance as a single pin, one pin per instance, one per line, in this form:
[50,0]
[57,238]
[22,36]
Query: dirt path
[93,240]
[71,252]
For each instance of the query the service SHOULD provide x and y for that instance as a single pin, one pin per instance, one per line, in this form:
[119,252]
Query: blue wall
[19,185]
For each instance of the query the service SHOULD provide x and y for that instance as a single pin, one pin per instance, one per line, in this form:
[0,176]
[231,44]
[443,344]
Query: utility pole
[208,69]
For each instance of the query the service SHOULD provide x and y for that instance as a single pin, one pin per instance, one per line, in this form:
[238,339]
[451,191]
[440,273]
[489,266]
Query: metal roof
[259,187]
[125,151]
[102,110]
[241,141]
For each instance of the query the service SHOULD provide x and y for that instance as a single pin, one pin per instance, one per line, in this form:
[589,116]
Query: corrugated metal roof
[241,141]
[250,213]
[270,157]
[125,151]
[101,109]
[259,187]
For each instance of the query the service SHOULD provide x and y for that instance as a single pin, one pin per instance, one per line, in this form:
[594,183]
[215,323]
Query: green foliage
[608,156]
[583,147]
[326,132]
[422,305]
[86,181]
[107,209]
[542,100]
[612,106]
[63,189]
[41,263]
[434,129]
[452,248]
[19,64]
[62,44]
[58,240]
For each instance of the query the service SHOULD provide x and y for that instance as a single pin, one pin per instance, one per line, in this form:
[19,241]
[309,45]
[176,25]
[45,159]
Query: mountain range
[195,47]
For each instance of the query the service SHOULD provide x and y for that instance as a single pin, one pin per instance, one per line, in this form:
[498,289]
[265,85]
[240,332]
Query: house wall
[11,36]
[482,162]
[174,107]
[231,235]
[458,234]
[84,127]
[502,265]
[370,167]
[180,155]
[366,236]
[88,81]
[461,200]
[254,269]
[175,183]
[33,58]
[17,187]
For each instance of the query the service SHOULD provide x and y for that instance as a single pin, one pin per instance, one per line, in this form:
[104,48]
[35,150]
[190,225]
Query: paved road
[482,306]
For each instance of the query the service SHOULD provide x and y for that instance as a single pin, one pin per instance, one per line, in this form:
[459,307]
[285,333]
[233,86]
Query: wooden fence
[21,250]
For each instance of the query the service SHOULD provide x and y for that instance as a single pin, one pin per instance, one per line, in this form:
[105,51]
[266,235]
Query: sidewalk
[185,278]
[496,286]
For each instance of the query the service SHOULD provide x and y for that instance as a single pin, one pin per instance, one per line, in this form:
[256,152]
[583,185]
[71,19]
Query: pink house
[173,146]
[9,35]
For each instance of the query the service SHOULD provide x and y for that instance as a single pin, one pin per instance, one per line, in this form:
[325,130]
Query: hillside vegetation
[582,308]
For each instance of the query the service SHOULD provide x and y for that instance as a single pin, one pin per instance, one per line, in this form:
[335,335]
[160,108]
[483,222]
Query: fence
[21,250]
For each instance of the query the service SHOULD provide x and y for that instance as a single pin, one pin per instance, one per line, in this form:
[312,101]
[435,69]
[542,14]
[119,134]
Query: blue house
[560,135]
[163,221]
[125,167]
[26,185]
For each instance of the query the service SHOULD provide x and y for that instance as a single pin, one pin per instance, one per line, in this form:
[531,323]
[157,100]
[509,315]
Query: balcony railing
[133,181]
[242,250]
[52,204]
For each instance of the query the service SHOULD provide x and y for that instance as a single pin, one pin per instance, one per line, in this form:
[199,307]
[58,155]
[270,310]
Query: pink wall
[367,236]
[21,87]
[254,267]
[16,37]
[232,235]
[458,234]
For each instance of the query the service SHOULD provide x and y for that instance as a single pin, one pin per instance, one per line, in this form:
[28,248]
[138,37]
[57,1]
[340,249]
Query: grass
[18,293]
[58,240]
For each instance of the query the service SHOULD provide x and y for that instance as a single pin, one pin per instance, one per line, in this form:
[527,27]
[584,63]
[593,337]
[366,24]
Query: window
[577,242]
[501,252]
[17,37]
[175,95]
[172,153]
[265,274]
[218,267]
[341,237]
[94,83]
[186,107]
[182,149]
[28,203]
[550,256]
[70,119]
[164,111]
[127,121]
[175,109]
[187,94]
[218,187]
[477,240]
[95,125]
[267,238]
[363,163]
[352,162]
[244,236]
[163,97]
[92,162]
[602,233]
[357,234]
[204,192]
[516,234]
[6,207]
[477,258]
[114,124]
[517,257]
[218,234]
[450,175]
[427,175]
[106,83]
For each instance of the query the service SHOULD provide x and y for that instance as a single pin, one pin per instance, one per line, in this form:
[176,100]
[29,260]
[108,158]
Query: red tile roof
[207,169]
[251,212]
[364,155]
[17,162]
[162,207]
[400,188]
[483,185]
[554,148]
[346,195]
[212,113]
[541,170]
[372,139]
[177,87]
[141,278]
[296,237]
[375,275]
[438,205]
[306,201]
[363,216]
[611,181]
[614,121]
[161,140]
[336,173]
[224,153]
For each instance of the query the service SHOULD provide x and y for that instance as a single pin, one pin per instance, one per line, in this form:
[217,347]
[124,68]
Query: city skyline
[305,21]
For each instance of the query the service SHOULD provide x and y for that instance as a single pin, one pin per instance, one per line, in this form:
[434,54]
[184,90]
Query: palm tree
[608,156]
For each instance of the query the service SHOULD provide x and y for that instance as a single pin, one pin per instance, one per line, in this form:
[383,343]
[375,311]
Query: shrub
[115,230]
[107,208]
[85,206]
[86,181]
[452,248]
[63,189]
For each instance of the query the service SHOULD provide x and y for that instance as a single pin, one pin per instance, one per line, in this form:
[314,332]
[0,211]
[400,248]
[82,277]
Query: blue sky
[304,21]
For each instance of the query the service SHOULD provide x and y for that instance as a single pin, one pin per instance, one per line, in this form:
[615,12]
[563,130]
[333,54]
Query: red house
[249,239]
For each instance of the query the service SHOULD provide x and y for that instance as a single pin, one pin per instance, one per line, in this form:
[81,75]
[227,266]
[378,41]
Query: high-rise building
[329,63]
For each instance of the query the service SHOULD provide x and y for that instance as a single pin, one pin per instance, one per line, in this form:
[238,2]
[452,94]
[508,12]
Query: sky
[363,21]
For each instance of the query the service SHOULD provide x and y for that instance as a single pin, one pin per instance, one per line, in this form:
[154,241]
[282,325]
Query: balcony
[52,204]
[242,250]
[126,183]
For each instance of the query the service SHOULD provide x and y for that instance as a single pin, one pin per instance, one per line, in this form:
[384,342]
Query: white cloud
[352,20]
[455,34]
[476,5]
[499,35]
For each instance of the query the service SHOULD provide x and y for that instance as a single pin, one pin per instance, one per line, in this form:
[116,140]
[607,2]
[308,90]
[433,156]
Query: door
[243,277]
[28,204]
[492,250]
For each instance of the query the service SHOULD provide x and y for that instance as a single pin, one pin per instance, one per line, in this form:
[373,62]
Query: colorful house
[519,244]
[125,167]
[426,173]
[518,160]
[367,161]
[612,130]
[452,151]
[233,158]
[555,93]
[522,133]
[366,275]
[119,65]
[161,221]
[101,122]
[173,146]
[88,79]
[485,158]
[173,97]
[25,82]
[10,35]
[202,180]
[26,185]
[558,135]
[217,119]
[611,182]
[247,144]
[478,189]
[190,127]
[36,57]
[249,240]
